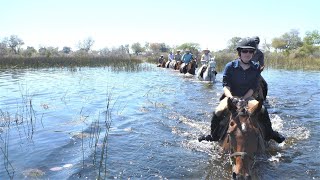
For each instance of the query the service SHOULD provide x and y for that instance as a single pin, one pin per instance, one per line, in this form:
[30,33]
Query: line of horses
[243,138]
[207,71]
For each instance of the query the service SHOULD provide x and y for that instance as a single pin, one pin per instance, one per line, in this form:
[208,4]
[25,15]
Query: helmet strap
[244,62]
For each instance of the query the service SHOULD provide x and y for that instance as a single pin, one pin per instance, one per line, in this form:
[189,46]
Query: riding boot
[270,133]
[215,130]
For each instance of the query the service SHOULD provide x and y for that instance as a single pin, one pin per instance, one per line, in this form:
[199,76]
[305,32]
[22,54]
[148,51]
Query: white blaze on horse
[207,72]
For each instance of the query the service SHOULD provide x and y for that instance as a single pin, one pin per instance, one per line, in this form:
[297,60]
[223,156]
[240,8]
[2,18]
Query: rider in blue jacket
[240,79]
[187,56]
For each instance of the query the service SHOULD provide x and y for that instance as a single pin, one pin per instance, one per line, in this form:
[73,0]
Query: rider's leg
[270,133]
[215,122]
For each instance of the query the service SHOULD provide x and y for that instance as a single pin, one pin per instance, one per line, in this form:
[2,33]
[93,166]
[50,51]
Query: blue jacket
[240,80]
[186,58]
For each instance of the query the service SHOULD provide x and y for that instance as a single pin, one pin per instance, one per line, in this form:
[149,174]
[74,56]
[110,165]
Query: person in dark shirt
[240,80]
[258,56]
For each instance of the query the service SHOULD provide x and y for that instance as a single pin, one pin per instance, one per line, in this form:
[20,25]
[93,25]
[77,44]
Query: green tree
[66,50]
[136,48]
[232,43]
[312,38]
[293,40]
[86,44]
[193,47]
[278,44]
[14,43]
[29,51]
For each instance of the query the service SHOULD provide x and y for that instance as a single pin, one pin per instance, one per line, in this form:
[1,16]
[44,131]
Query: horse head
[243,136]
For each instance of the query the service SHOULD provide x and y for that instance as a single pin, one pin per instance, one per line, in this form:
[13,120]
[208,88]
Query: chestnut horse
[245,136]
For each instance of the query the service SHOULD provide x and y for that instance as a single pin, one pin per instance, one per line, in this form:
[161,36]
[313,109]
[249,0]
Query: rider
[187,57]
[170,56]
[240,79]
[258,55]
[205,58]
[177,56]
[161,59]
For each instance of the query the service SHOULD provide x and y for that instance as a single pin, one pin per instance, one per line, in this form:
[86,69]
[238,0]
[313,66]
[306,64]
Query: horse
[177,65]
[171,64]
[188,67]
[162,64]
[244,137]
[207,72]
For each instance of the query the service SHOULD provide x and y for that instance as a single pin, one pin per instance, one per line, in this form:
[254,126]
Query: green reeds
[117,63]
[273,60]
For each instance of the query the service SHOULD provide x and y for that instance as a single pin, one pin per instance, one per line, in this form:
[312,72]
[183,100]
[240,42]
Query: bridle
[232,154]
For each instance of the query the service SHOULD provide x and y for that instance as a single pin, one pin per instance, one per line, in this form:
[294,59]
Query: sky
[111,23]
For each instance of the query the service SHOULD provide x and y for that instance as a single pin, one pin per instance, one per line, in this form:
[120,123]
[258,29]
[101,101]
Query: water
[156,116]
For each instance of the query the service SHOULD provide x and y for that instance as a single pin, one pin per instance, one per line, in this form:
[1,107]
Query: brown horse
[163,64]
[189,67]
[244,138]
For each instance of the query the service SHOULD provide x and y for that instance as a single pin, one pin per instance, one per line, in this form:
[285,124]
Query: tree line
[290,44]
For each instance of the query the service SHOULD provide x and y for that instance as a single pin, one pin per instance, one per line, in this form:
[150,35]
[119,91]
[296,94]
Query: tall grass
[68,61]
[273,60]
[280,61]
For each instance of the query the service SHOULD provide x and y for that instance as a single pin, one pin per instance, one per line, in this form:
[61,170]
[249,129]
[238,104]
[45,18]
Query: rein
[242,154]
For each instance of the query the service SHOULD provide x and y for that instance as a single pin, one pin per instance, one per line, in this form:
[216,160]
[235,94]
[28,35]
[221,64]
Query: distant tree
[266,46]
[48,51]
[288,41]
[66,50]
[147,46]
[155,47]
[279,44]
[292,39]
[310,45]
[232,43]
[14,43]
[193,47]
[3,49]
[29,51]
[312,38]
[104,52]
[136,48]
[86,44]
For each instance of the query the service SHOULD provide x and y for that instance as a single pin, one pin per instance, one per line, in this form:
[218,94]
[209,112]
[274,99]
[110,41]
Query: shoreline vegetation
[288,51]
[133,62]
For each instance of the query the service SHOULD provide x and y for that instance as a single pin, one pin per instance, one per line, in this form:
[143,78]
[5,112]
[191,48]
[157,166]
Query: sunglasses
[246,51]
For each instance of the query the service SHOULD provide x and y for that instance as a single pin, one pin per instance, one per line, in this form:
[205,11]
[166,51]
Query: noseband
[241,111]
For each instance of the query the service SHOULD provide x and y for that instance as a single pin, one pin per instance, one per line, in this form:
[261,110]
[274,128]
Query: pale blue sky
[210,23]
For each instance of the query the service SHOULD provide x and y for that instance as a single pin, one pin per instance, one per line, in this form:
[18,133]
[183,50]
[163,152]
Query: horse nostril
[232,123]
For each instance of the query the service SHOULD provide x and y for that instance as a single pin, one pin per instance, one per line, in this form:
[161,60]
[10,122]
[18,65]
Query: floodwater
[56,122]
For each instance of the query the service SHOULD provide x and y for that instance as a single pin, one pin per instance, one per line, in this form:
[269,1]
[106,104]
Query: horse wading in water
[189,67]
[244,136]
[207,72]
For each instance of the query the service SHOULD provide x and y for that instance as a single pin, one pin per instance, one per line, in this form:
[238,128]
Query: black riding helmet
[256,39]
[246,43]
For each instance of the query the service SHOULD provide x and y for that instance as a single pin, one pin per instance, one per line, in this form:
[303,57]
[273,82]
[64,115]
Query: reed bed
[275,61]
[68,61]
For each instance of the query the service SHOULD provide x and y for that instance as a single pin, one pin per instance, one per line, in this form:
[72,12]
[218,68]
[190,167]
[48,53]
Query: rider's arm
[227,91]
